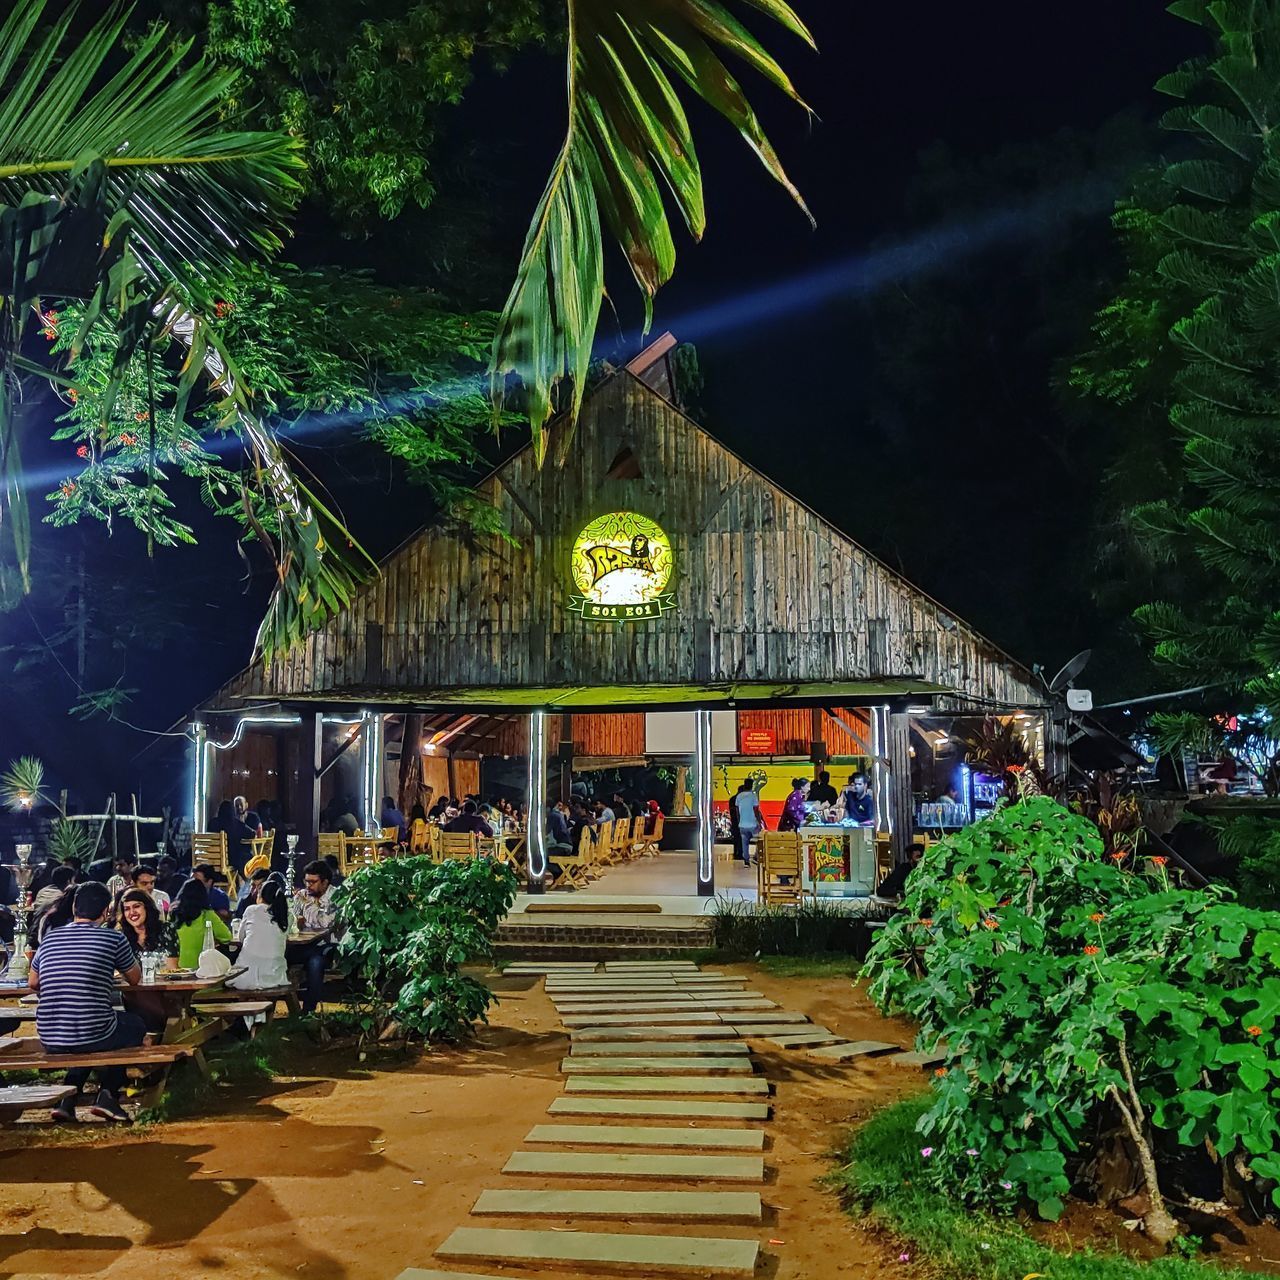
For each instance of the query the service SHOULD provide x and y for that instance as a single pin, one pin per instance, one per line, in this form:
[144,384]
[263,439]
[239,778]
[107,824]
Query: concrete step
[629,965]
[670,1168]
[676,1031]
[642,1066]
[803,1039]
[652,1206]
[851,1049]
[656,1048]
[633,1135]
[639,1254]
[645,988]
[914,1059]
[654,1108]
[651,1018]
[674,1004]
[667,1084]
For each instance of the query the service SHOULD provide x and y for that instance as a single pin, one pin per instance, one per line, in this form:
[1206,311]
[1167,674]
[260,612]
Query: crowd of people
[86,930]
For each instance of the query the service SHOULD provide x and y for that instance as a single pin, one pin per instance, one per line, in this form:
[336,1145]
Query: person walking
[750,821]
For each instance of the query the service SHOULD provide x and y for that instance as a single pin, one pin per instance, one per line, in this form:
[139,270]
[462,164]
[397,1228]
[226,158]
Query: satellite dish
[1071,670]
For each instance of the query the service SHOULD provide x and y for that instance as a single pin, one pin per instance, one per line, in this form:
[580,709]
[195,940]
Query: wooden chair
[418,836]
[778,877]
[358,851]
[458,844]
[649,843]
[329,843]
[210,848]
[620,841]
[582,865]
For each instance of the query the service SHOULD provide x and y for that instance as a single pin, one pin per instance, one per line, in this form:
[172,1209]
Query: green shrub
[748,929]
[410,925]
[1074,995]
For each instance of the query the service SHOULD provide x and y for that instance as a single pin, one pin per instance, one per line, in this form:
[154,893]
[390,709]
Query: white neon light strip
[371,750]
[535,789]
[702,784]
[205,747]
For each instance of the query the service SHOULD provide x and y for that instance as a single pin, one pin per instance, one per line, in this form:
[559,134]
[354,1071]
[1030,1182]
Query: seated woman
[262,940]
[143,928]
[190,915]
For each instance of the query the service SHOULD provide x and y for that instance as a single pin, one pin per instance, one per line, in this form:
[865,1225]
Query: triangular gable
[764,589]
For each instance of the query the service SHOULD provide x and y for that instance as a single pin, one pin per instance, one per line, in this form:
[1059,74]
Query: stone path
[660,1071]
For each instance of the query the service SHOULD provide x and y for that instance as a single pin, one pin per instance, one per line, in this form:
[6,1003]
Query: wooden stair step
[672,1206]
[802,1039]
[677,1031]
[628,1135]
[852,1049]
[738,1065]
[670,1168]
[656,1048]
[658,1108]
[638,1254]
[657,1016]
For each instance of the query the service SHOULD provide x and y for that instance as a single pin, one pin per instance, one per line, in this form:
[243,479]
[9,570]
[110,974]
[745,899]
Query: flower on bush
[82,451]
[927,921]
[1098,917]
[926,1152]
[1119,856]
[1091,950]
[1254,1030]
[1158,860]
[991,923]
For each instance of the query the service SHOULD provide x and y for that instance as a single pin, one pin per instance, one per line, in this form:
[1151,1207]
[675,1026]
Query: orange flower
[939,1071]
[141,416]
[989,923]
[68,488]
[1254,1030]
[1158,861]
[1097,917]
[1091,951]
[74,395]
[1118,857]
[927,921]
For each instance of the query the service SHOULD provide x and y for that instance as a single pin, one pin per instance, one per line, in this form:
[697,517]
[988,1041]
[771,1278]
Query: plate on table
[175,975]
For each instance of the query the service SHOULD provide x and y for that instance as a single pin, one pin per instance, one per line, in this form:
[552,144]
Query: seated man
[74,971]
[894,885]
[314,907]
[144,878]
[219,903]
[469,820]
[249,889]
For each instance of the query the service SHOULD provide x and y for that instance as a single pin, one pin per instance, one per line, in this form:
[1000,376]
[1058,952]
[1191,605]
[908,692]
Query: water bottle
[208,944]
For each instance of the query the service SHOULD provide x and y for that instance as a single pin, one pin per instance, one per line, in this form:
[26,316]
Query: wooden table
[170,999]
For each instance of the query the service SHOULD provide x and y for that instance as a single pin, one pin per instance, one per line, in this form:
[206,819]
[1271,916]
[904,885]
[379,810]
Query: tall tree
[1186,355]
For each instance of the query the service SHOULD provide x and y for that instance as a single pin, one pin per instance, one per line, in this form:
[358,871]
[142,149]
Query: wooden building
[644,567]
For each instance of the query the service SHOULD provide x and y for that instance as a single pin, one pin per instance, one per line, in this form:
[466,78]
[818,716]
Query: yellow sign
[621,566]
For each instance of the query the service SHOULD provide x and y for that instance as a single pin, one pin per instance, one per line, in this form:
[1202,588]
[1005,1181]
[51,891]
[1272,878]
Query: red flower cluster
[68,488]
[1098,917]
[927,921]
[222,309]
[82,451]
[141,416]
[989,923]
[128,438]
[1091,951]
[939,1071]
[1158,861]
[1255,1030]
[73,395]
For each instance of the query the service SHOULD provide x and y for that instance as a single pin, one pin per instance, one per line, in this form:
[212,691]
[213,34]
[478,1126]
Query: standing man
[314,906]
[74,971]
[746,806]
[822,792]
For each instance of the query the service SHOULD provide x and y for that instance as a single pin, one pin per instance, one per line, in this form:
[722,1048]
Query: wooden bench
[211,1001]
[227,1009]
[17,1098]
[153,1060]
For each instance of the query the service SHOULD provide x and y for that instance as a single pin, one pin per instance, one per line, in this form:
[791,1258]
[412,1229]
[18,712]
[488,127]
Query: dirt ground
[346,1175]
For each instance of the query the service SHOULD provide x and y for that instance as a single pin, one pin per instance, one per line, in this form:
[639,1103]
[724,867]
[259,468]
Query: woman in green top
[190,915]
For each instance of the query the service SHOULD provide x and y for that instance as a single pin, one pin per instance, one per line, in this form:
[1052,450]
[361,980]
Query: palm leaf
[627,147]
[21,783]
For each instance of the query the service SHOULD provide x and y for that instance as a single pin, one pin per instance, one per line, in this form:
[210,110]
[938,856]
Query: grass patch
[813,928]
[830,965]
[881,1174]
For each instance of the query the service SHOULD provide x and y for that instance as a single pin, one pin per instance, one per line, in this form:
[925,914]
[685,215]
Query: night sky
[785,352]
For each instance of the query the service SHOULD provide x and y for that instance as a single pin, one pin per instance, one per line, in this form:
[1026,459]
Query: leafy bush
[410,927]
[741,928]
[1254,845]
[71,841]
[1074,994]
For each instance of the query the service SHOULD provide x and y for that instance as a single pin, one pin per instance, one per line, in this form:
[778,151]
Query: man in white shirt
[314,907]
[144,878]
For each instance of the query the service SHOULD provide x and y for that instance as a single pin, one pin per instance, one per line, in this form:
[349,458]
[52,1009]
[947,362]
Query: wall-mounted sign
[759,742]
[621,566]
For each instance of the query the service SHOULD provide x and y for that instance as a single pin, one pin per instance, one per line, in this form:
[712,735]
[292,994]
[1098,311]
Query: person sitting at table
[390,816]
[262,941]
[144,878]
[218,900]
[190,915]
[250,887]
[859,803]
[317,913]
[653,811]
[469,820]
[143,928]
[74,973]
[168,878]
[54,915]
[894,885]
[61,878]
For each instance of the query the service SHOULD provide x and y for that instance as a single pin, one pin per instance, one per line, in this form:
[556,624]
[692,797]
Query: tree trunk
[411,780]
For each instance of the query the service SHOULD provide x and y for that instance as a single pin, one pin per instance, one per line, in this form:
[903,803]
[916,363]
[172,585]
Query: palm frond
[21,783]
[628,139]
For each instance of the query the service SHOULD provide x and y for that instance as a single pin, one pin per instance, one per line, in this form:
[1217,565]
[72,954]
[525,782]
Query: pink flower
[904,1257]
[926,1152]
[1008,1186]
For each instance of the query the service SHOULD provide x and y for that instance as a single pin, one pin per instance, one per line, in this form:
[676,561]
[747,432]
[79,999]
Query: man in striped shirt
[74,971]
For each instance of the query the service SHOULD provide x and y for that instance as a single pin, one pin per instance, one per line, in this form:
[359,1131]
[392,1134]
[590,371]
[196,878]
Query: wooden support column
[901,816]
[817,741]
[536,800]
[702,788]
[310,764]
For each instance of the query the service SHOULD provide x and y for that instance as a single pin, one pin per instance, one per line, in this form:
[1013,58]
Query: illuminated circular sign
[621,566]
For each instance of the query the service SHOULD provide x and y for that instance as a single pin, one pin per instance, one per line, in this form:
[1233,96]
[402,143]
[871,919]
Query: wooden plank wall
[766,590]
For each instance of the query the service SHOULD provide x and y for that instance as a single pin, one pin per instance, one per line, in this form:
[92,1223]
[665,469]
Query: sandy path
[357,1177]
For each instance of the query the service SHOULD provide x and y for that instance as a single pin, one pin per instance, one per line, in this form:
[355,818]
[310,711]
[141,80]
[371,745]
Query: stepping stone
[917,1059]
[762,1030]
[552,966]
[680,1031]
[567,1249]
[667,1084]
[803,1039]
[648,985]
[656,1018]
[853,1049]
[656,1048]
[672,1108]
[773,1016]
[741,1065]
[745,1003]
[707,1206]
[670,1168]
[630,1135]
[652,966]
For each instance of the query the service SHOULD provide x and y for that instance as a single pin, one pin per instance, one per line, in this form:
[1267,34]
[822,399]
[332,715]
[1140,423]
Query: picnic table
[168,1001]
